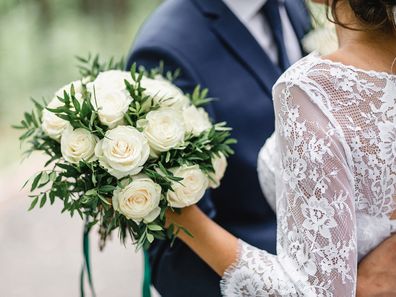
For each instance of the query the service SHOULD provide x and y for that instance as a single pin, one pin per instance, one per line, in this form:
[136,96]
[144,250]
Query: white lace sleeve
[268,163]
[317,253]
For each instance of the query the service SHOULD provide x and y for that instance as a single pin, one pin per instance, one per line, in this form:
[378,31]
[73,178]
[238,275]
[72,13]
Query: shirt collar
[245,9]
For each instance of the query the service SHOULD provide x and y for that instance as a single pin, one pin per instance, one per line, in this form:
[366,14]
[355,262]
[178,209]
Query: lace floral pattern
[333,162]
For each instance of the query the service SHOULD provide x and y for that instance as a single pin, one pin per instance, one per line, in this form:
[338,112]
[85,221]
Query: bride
[331,163]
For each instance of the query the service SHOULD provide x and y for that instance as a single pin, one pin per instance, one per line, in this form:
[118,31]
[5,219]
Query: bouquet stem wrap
[86,267]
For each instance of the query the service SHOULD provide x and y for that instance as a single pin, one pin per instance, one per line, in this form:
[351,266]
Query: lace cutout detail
[333,162]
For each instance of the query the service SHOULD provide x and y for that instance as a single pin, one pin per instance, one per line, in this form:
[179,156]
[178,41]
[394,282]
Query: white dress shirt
[248,12]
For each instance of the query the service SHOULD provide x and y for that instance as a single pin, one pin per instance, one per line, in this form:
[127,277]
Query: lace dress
[329,171]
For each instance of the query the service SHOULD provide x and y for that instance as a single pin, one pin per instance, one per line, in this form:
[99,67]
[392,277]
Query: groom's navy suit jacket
[212,48]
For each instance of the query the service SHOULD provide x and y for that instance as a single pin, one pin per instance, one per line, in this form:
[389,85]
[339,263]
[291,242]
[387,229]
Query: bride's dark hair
[373,14]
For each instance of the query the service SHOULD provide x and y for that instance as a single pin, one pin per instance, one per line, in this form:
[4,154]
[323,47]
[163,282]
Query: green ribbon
[86,267]
[147,276]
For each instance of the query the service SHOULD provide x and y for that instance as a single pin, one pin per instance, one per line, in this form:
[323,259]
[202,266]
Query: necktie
[272,15]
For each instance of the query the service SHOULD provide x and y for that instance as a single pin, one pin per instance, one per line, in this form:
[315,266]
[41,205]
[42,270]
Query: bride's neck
[370,50]
[367,39]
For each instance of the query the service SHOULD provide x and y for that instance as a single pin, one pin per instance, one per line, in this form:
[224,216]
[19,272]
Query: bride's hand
[377,271]
[217,247]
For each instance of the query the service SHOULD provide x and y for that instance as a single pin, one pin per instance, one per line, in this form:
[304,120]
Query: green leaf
[52,197]
[33,204]
[170,231]
[91,192]
[168,157]
[128,119]
[104,199]
[186,231]
[94,180]
[35,181]
[18,127]
[52,176]
[85,111]
[43,179]
[107,189]
[36,121]
[38,105]
[27,134]
[73,170]
[133,71]
[163,169]
[43,200]
[92,119]
[76,104]
[57,110]
[24,185]
[150,237]
[154,227]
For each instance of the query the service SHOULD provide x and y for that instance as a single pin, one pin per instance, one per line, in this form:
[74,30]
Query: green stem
[147,276]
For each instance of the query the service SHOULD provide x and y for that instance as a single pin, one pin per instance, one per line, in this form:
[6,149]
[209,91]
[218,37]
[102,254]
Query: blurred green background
[38,43]
[40,251]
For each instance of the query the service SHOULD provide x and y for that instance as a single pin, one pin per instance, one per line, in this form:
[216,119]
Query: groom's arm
[171,266]
[150,56]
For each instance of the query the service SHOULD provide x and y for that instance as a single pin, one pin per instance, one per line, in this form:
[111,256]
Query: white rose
[164,129]
[196,120]
[219,165]
[78,88]
[53,125]
[111,106]
[111,80]
[78,145]
[110,96]
[164,93]
[138,200]
[190,190]
[123,151]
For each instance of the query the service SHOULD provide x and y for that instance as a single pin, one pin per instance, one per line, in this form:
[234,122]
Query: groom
[237,49]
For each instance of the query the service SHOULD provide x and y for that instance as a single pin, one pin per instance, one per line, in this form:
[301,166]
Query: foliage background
[40,251]
[38,42]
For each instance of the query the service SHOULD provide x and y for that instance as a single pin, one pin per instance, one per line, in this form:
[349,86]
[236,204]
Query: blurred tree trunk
[117,8]
[90,6]
[45,11]
[121,7]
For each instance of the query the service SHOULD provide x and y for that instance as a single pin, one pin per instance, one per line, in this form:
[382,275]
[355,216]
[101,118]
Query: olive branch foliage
[86,188]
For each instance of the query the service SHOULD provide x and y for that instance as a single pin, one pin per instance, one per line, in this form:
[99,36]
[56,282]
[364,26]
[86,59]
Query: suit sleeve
[150,56]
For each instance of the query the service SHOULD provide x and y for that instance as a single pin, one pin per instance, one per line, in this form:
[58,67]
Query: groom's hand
[377,271]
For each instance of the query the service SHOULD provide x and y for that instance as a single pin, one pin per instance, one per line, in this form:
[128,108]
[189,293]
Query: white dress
[329,171]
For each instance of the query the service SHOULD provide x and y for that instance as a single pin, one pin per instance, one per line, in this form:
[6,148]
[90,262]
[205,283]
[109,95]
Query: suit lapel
[240,42]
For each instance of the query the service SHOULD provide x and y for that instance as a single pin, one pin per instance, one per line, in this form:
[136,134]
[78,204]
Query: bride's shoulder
[333,73]
[311,75]
[313,79]
[309,68]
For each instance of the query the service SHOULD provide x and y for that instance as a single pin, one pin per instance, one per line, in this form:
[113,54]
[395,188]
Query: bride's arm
[216,246]
[317,252]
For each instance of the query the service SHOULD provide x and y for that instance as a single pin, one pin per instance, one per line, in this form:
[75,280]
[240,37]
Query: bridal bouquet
[123,147]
